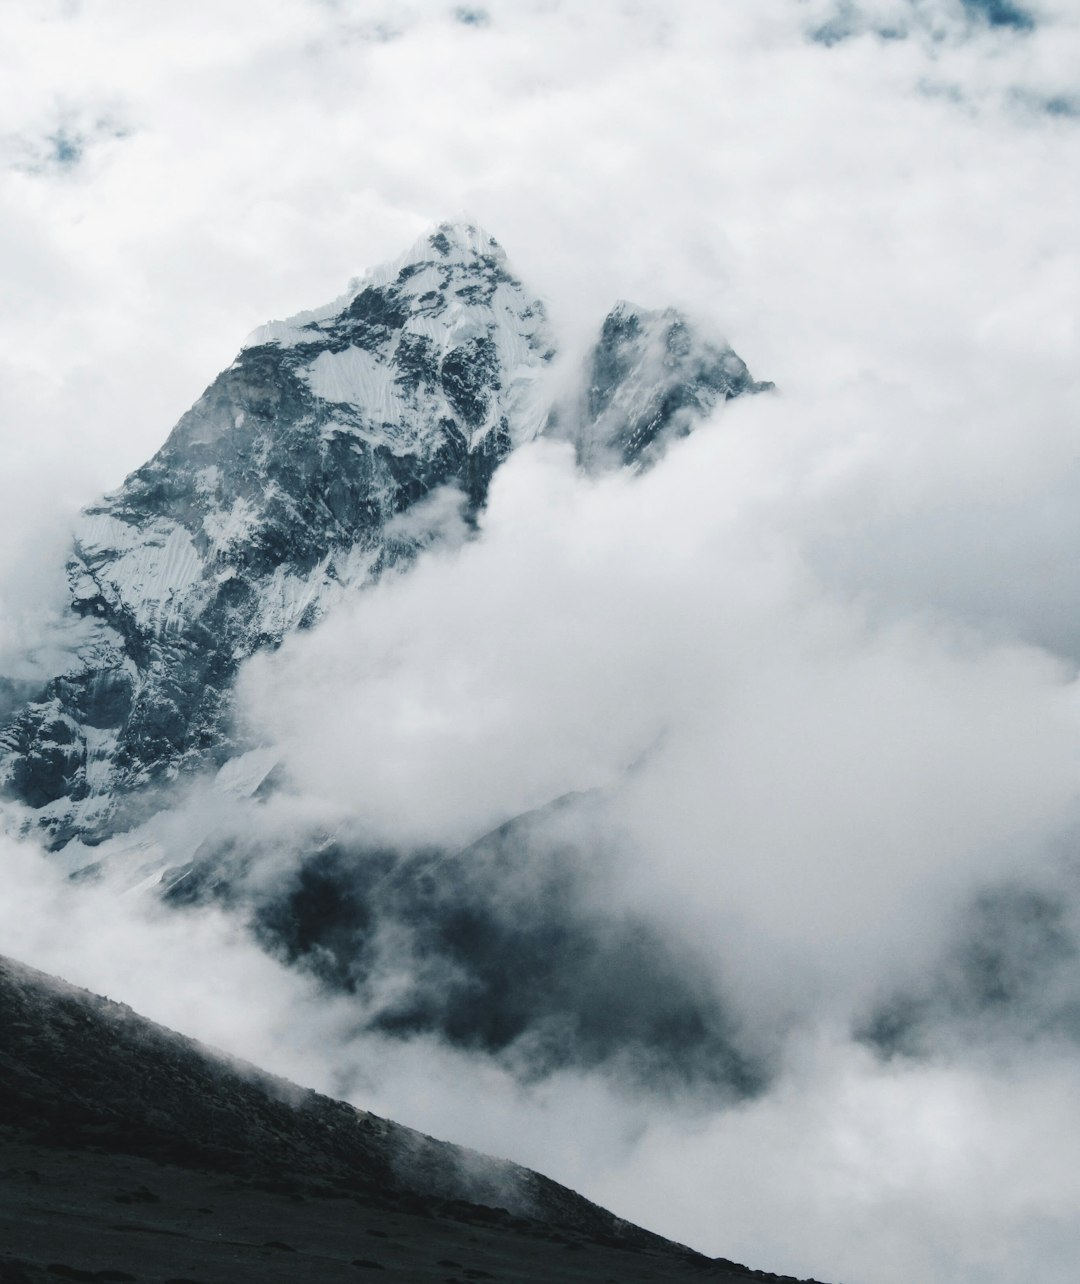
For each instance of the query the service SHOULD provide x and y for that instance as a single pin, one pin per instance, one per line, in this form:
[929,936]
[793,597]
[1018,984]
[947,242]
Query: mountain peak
[458,239]
[651,377]
[452,254]
[278,493]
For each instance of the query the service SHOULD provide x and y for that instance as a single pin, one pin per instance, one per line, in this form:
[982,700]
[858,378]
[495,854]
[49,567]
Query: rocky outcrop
[650,378]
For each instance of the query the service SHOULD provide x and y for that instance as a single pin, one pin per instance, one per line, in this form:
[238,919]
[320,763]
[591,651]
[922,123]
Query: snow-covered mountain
[336,445]
[650,378]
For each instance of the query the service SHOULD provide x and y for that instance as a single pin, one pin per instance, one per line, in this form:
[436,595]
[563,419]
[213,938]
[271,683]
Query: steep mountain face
[276,492]
[651,376]
[335,446]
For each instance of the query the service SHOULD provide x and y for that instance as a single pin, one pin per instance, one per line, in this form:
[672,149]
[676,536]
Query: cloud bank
[809,781]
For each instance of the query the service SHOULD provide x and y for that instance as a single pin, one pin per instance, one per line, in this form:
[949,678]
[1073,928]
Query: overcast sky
[837,629]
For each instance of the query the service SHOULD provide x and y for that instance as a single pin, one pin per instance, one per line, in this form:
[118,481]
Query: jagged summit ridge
[287,485]
[450,245]
[447,318]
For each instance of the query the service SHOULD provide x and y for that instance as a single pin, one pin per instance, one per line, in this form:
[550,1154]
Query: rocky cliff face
[335,446]
[650,378]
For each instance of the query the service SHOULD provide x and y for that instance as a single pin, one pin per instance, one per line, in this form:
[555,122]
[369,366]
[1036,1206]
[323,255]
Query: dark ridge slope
[215,1162]
[83,1070]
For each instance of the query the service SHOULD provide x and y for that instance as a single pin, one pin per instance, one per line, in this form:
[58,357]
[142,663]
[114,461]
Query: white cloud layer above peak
[834,634]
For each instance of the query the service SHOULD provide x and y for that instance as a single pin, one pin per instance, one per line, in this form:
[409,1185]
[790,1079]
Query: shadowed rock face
[277,493]
[1010,973]
[652,376]
[511,947]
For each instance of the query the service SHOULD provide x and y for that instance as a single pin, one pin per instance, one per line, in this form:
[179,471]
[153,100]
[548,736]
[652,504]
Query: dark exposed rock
[269,499]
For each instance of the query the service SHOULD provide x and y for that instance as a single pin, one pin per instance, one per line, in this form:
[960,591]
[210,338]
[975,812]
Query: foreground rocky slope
[81,1070]
[131,1153]
[335,446]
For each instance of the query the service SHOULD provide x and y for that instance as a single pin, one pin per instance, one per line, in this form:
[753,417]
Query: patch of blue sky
[471,16]
[1000,13]
[64,148]
[1062,106]
[849,20]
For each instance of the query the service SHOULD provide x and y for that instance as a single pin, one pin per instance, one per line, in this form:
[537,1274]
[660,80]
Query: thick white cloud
[804,785]
[854,1170]
[814,630]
